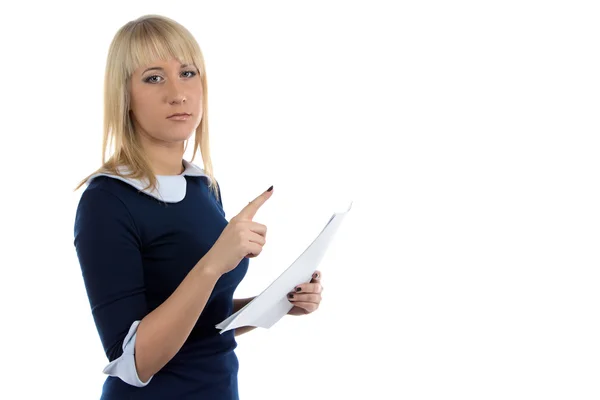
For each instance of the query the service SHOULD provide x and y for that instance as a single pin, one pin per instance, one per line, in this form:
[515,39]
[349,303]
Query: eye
[149,79]
[157,78]
[193,73]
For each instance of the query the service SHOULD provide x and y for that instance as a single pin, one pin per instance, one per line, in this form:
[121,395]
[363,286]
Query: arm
[161,333]
[238,304]
[108,247]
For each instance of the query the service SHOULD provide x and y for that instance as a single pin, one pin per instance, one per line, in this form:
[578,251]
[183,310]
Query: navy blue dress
[134,250]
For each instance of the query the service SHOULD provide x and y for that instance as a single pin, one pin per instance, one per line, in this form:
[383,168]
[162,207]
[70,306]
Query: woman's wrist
[206,267]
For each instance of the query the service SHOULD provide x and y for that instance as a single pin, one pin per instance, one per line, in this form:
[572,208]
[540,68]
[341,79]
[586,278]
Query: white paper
[272,304]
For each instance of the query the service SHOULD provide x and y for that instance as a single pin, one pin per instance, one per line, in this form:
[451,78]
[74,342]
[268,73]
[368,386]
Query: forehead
[158,53]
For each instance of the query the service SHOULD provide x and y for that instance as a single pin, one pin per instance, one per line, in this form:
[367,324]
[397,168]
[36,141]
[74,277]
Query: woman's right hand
[241,238]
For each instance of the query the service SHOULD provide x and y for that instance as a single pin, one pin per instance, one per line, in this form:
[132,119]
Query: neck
[165,159]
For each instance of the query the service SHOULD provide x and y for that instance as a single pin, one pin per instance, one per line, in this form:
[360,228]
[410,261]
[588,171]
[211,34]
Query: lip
[179,116]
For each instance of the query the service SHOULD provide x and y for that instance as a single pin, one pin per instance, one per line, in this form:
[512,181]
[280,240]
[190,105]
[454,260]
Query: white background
[465,132]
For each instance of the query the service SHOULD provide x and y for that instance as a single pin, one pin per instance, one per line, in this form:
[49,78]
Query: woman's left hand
[306,297]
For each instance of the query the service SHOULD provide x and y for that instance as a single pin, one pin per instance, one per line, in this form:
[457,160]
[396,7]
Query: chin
[179,135]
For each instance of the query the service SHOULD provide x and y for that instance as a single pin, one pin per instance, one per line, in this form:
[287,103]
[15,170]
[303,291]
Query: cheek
[144,110]
[198,97]
[198,108]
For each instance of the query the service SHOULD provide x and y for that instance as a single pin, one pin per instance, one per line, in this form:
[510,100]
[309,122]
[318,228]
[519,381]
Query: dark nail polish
[298,289]
[271,188]
[291,296]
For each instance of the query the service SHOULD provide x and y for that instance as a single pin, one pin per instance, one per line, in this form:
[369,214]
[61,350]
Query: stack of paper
[272,304]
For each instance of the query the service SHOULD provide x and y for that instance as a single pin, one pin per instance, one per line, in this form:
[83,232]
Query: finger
[256,238]
[255,250]
[305,297]
[309,307]
[250,210]
[309,288]
[258,228]
[316,277]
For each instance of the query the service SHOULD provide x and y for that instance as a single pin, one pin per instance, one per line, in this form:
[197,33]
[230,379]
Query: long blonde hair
[138,43]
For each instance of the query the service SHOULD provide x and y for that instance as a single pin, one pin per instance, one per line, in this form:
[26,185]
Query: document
[272,304]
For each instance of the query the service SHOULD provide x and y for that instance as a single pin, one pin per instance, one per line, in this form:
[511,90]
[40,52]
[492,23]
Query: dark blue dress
[134,251]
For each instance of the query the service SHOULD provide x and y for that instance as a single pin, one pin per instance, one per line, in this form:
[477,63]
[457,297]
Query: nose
[175,93]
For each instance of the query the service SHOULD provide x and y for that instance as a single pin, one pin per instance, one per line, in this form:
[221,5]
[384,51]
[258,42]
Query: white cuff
[124,366]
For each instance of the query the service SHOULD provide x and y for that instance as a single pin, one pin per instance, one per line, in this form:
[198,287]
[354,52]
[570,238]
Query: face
[160,90]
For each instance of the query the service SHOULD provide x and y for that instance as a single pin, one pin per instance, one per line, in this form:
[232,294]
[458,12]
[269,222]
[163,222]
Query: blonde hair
[136,44]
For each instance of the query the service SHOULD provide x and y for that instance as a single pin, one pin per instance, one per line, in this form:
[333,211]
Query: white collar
[169,188]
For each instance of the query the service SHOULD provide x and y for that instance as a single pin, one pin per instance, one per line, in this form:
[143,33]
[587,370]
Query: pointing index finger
[252,208]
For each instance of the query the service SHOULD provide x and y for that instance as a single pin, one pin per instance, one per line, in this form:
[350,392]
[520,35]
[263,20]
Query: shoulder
[102,190]
[102,217]
[103,200]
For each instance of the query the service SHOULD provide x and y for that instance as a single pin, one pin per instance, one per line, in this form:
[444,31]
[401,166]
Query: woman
[159,260]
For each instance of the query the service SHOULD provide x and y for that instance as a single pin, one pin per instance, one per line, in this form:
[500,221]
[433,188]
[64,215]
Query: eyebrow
[162,69]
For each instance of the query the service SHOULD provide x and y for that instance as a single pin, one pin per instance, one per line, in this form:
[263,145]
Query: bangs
[153,39]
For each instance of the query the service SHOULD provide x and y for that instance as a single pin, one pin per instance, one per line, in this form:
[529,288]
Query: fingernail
[298,289]
[290,295]
[315,276]
[271,188]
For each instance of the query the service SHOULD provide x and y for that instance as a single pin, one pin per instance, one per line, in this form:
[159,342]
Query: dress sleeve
[108,246]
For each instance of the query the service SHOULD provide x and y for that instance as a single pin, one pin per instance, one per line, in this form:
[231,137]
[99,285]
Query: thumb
[250,210]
